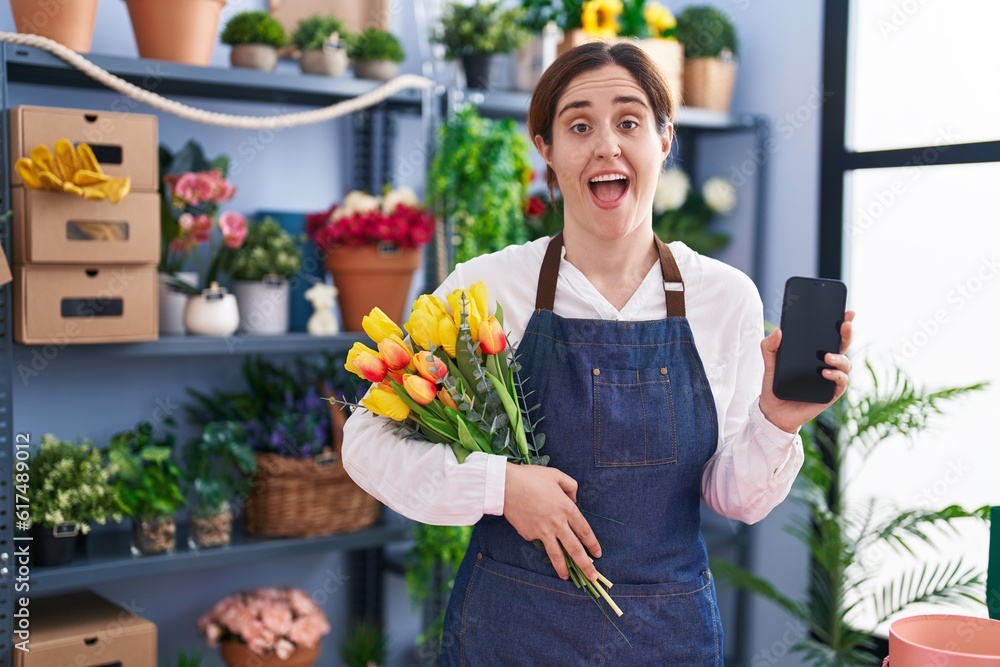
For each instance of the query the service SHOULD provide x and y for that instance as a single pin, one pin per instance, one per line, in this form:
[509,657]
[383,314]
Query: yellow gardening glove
[72,170]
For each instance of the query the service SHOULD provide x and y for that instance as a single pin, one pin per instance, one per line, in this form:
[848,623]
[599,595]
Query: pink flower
[278,619]
[201,231]
[186,188]
[234,229]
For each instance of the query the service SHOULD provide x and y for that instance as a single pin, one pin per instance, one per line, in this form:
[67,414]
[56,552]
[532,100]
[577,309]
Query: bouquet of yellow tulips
[455,382]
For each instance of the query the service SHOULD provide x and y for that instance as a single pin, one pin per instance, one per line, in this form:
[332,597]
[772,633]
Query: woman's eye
[579,128]
[629,124]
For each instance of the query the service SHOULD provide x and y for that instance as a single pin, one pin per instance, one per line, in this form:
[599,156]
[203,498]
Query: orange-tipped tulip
[395,376]
[446,398]
[378,326]
[366,363]
[491,336]
[385,403]
[395,352]
[429,367]
[420,390]
[423,329]
[448,332]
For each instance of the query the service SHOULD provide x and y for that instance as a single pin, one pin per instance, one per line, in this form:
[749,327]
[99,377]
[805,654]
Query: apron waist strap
[548,276]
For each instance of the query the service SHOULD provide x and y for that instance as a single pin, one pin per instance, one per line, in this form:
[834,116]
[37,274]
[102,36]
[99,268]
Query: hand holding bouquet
[456,383]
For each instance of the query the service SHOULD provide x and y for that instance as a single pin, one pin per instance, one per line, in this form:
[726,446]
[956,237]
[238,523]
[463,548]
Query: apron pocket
[667,624]
[634,421]
[513,616]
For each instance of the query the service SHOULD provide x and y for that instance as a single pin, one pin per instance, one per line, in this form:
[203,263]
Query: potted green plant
[255,37]
[260,271]
[70,488]
[147,486]
[839,535]
[375,54]
[474,33]
[216,466]
[320,41]
[710,51]
[364,645]
[479,181]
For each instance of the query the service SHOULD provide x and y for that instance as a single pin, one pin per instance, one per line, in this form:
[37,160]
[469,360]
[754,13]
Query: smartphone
[811,315]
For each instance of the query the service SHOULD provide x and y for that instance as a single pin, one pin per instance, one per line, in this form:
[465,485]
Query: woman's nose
[606,145]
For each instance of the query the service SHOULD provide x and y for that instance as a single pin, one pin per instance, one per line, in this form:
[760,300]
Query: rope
[371,98]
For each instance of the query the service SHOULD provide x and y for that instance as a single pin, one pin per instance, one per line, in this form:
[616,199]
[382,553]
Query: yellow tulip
[448,333]
[395,352]
[366,363]
[432,305]
[429,367]
[420,390]
[479,299]
[385,403]
[491,336]
[659,18]
[378,326]
[423,329]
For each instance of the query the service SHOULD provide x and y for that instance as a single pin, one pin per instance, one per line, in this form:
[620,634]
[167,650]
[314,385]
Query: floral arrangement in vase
[266,621]
[683,213]
[197,196]
[395,218]
[370,246]
[261,270]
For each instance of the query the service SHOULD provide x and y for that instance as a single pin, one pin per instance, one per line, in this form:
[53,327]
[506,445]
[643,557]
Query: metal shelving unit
[108,557]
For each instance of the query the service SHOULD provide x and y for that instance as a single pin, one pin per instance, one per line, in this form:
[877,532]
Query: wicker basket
[306,498]
[709,83]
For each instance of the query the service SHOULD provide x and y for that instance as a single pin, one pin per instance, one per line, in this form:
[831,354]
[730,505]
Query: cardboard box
[59,228]
[125,143]
[65,305]
[5,274]
[85,630]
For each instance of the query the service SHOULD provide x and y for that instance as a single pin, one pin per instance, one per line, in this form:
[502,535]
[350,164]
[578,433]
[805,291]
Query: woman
[640,422]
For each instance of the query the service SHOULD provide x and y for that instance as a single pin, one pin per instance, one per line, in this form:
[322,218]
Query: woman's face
[606,153]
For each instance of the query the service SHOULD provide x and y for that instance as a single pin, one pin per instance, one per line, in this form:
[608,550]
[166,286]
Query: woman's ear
[544,149]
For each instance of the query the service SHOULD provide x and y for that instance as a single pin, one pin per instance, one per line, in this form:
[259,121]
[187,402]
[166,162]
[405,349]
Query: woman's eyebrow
[582,104]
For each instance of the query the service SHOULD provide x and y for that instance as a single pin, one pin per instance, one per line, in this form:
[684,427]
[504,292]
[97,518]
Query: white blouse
[752,469]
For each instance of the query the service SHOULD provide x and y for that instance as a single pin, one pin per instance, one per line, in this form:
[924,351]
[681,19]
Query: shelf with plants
[108,557]
[29,65]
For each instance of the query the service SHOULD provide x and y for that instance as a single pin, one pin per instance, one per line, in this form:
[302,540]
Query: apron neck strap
[673,285]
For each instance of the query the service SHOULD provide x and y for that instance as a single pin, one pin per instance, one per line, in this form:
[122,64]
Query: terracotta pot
[263,57]
[944,639]
[69,22]
[709,83]
[377,70]
[181,31]
[238,655]
[371,276]
[668,54]
[327,62]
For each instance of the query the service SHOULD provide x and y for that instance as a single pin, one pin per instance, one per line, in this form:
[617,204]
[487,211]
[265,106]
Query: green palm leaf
[941,582]
[907,525]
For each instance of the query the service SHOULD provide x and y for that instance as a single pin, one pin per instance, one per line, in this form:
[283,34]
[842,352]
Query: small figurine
[322,322]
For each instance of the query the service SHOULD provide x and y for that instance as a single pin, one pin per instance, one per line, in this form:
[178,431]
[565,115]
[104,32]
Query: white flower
[671,190]
[719,194]
[360,202]
[404,196]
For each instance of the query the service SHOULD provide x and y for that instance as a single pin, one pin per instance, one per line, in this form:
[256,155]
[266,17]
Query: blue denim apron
[629,414]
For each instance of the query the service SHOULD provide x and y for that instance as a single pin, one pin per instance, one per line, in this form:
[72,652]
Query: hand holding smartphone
[811,315]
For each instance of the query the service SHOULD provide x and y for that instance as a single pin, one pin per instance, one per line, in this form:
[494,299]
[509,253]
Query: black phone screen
[811,315]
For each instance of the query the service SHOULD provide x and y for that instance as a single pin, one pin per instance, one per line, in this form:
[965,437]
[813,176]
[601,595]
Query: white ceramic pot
[377,70]
[263,305]
[173,302]
[329,62]
[263,57]
[214,312]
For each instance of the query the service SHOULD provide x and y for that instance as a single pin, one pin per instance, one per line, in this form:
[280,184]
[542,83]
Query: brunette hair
[591,56]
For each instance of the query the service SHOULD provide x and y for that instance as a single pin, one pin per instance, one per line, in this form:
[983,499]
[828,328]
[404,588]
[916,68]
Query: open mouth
[609,188]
